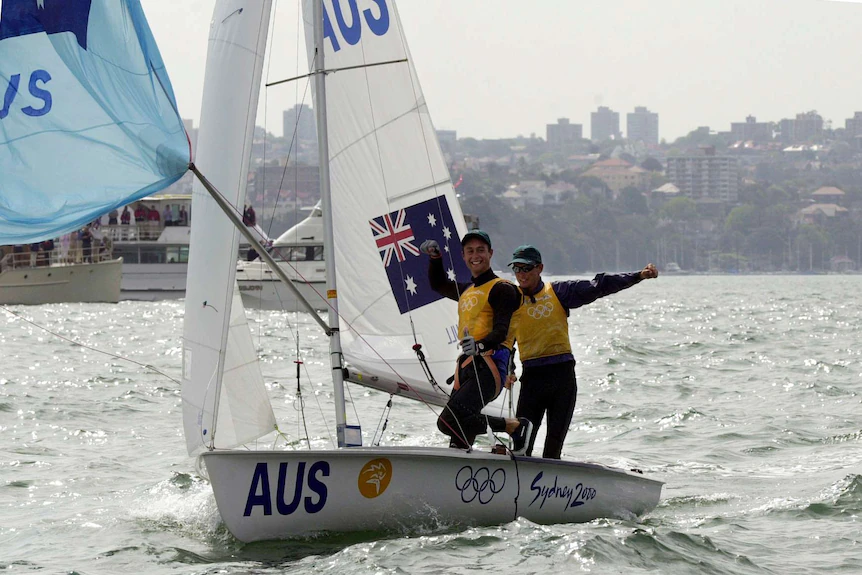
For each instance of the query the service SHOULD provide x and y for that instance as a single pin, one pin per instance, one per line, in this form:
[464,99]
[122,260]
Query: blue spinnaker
[88,118]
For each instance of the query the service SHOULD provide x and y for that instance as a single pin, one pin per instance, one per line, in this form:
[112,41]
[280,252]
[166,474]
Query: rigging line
[73,342]
[347,387]
[316,399]
[293,140]
[265,134]
[386,410]
[298,363]
[296,135]
[334,70]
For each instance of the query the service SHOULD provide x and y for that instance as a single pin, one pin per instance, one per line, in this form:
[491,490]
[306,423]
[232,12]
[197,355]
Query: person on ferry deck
[541,329]
[141,213]
[126,216]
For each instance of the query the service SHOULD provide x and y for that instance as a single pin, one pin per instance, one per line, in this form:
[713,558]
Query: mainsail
[88,118]
[390,191]
[225,402]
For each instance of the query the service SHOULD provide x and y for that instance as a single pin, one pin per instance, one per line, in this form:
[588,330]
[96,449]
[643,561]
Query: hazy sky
[499,68]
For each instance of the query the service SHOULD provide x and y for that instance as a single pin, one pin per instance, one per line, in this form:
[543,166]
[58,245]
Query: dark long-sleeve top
[576,293]
[504,298]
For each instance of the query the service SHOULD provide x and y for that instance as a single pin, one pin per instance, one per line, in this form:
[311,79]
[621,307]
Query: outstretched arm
[574,294]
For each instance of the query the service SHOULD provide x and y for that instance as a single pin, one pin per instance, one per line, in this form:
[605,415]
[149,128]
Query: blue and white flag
[88,118]
[398,236]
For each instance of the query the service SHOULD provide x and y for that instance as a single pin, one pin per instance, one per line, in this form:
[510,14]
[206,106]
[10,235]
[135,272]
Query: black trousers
[551,389]
[462,419]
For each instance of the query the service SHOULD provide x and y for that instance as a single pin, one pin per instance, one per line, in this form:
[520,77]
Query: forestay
[225,403]
[88,119]
[390,191]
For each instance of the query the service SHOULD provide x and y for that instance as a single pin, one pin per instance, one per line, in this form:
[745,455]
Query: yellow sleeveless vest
[477,316]
[542,328]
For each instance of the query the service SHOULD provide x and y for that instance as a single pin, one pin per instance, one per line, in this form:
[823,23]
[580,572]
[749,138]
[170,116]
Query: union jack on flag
[393,238]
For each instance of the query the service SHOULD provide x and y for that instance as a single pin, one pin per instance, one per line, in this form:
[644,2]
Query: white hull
[263,495]
[151,282]
[274,295]
[62,283]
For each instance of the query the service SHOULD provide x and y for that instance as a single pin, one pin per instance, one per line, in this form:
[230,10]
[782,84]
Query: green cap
[526,255]
[476,234]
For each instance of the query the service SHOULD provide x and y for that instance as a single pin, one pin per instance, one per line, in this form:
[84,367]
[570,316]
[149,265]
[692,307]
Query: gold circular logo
[374,477]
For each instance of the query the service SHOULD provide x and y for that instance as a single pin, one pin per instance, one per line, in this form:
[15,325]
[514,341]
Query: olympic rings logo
[469,303]
[482,484]
[541,310]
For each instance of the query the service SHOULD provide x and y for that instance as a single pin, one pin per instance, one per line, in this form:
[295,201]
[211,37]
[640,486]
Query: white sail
[225,403]
[385,158]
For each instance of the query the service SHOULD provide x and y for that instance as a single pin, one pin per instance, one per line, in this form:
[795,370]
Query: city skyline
[693,63]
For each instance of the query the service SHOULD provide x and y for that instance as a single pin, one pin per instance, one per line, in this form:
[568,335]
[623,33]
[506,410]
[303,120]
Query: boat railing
[148,231]
[73,254]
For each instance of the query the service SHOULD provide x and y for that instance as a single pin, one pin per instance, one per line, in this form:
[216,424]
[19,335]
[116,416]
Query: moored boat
[52,276]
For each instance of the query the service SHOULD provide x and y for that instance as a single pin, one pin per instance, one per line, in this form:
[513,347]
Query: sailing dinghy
[384,188]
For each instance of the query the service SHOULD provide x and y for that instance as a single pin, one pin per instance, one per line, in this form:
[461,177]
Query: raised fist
[430,247]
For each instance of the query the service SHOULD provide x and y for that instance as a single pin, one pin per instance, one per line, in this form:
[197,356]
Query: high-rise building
[787,131]
[751,130]
[563,134]
[853,126]
[808,127]
[604,124]
[447,136]
[642,126]
[300,119]
[705,176]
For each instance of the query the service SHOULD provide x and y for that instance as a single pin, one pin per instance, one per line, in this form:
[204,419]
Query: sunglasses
[523,268]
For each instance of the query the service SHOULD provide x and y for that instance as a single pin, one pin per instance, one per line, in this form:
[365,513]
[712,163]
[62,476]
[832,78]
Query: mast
[335,356]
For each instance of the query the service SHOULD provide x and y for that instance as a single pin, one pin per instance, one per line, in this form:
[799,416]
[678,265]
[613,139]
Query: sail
[225,403]
[390,190]
[88,118]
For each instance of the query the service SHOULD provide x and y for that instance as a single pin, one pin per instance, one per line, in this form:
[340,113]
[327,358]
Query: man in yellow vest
[485,308]
[548,383]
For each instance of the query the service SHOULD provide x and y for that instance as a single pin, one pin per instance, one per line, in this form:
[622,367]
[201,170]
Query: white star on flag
[40,4]
[450,273]
[446,233]
[411,285]
[446,248]
[432,220]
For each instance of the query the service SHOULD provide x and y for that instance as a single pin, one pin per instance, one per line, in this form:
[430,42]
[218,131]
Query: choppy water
[741,393]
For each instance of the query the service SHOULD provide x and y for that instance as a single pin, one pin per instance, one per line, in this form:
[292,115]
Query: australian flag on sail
[398,235]
[88,117]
